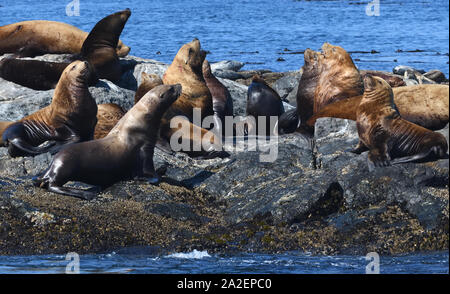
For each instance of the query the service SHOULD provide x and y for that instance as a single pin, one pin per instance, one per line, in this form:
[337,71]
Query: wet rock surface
[312,196]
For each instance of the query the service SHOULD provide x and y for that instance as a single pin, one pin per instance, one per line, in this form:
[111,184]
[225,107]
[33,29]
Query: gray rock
[287,87]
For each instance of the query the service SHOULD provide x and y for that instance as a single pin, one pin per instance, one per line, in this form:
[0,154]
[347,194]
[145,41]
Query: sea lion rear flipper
[23,146]
[288,122]
[345,109]
[73,192]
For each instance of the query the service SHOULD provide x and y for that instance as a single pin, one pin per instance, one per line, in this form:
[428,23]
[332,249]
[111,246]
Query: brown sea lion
[263,101]
[392,79]
[186,69]
[388,137]
[99,49]
[126,153]
[424,105]
[70,118]
[37,37]
[108,115]
[328,76]
[221,98]
[148,82]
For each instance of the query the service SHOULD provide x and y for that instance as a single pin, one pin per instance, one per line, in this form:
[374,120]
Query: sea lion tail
[345,109]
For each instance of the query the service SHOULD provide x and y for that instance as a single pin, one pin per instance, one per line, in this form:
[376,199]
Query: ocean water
[259,33]
[201,262]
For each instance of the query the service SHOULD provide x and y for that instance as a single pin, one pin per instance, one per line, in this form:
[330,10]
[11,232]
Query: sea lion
[126,153]
[263,101]
[99,49]
[186,69]
[388,137]
[221,98]
[70,118]
[148,82]
[328,76]
[37,37]
[108,115]
[392,79]
[424,105]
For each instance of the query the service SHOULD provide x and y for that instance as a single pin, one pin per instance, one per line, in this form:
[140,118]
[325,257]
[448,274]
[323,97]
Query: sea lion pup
[126,153]
[70,118]
[328,76]
[99,49]
[186,69]
[389,138]
[38,37]
[108,115]
[424,105]
[263,101]
[221,98]
[148,82]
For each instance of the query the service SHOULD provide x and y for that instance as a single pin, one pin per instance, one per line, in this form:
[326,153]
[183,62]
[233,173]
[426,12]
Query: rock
[226,65]
[287,87]
[436,75]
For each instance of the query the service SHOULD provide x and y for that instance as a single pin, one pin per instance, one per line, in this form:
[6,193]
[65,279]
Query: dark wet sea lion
[263,101]
[70,118]
[99,49]
[37,37]
[126,153]
[388,137]
[186,69]
[148,82]
[108,115]
[221,98]
[424,105]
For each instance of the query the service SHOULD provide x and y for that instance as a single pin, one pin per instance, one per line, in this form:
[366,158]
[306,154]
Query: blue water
[198,262]
[257,33]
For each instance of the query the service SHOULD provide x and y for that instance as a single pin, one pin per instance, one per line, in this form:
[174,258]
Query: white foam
[191,255]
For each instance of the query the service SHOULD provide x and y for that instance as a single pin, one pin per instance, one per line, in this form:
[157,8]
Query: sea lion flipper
[288,122]
[24,146]
[73,192]
[345,109]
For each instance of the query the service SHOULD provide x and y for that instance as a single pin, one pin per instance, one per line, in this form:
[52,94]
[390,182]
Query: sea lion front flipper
[345,109]
[360,148]
[432,153]
[148,168]
[73,192]
[24,147]
[288,122]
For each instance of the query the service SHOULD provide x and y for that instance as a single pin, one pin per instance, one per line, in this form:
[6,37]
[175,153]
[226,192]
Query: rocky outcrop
[311,195]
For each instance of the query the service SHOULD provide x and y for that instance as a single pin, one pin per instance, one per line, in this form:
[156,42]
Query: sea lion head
[122,50]
[337,55]
[159,99]
[206,69]
[191,55]
[376,88]
[312,61]
[77,73]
